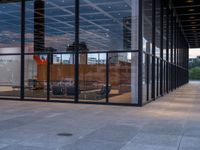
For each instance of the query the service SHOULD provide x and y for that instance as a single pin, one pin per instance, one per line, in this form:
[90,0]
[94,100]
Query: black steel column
[76,71]
[153,47]
[167,51]
[147,56]
[48,74]
[157,79]
[140,55]
[107,77]
[171,49]
[22,48]
[161,47]
[175,50]
[39,27]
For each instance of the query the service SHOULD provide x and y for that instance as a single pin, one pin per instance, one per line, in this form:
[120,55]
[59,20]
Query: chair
[102,93]
[70,90]
[58,90]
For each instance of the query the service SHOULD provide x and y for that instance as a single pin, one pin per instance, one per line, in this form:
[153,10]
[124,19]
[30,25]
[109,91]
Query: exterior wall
[165,64]
[118,52]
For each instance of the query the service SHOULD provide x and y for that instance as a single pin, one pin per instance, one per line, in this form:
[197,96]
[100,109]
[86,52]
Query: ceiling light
[190,10]
[192,17]
[190,1]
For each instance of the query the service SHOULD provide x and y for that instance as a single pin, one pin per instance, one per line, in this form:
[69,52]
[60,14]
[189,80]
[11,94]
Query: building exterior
[134,51]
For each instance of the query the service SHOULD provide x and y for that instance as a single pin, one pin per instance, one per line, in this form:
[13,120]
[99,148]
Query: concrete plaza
[170,123]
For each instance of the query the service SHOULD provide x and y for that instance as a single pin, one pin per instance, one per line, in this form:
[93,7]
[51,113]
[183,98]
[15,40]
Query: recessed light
[191,10]
[190,1]
[192,17]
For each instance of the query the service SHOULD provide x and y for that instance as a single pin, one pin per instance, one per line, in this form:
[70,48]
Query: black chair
[58,90]
[102,93]
[70,90]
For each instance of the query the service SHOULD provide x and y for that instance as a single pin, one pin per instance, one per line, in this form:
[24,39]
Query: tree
[195,63]
[194,73]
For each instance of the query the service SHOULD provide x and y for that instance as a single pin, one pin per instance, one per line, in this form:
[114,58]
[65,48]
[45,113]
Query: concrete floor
[170,123]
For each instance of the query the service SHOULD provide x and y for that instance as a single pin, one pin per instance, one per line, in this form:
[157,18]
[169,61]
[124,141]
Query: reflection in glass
[10,30]
[35,86]
[120,78]
[10,42]
[62,77]
[10,76]
[106,25]
[92,77]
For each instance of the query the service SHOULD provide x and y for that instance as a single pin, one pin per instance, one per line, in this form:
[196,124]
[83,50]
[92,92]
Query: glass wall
[159,35]
[120,78]
[107,43]
[106,25]
[10,46]
[157,45]
[92,77]
[147,43]
[62,77]
[35,76]
[49,31]
[165,45]
[10,75]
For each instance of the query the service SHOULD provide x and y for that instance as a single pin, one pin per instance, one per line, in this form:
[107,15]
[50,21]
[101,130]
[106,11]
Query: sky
[194,52]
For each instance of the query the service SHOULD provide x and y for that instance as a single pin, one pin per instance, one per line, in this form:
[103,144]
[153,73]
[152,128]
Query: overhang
[188,12]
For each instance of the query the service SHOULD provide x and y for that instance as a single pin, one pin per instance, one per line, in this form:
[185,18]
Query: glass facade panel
[157,28]
[35,77]
[10,76]
[147,26]
[147,42]
[62,77]
[10,43]
[106,25]
[145,80]
[120,78]
[112,68]
[92,77]
[10,30]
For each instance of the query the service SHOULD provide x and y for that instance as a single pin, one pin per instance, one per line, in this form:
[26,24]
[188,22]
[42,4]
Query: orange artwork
[40,59]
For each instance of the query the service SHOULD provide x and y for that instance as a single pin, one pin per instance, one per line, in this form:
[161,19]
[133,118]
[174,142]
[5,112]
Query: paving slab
[171,122]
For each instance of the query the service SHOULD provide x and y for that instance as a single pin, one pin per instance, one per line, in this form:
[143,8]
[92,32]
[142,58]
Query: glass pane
[107,25]
[10,76]
[150,78]
[121,78]
[35,77]
[147,26]
[10,30]
[158,77]
[157,35]
[49,26]
[145,77]
[10,42]
[62,77]
[92,77]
